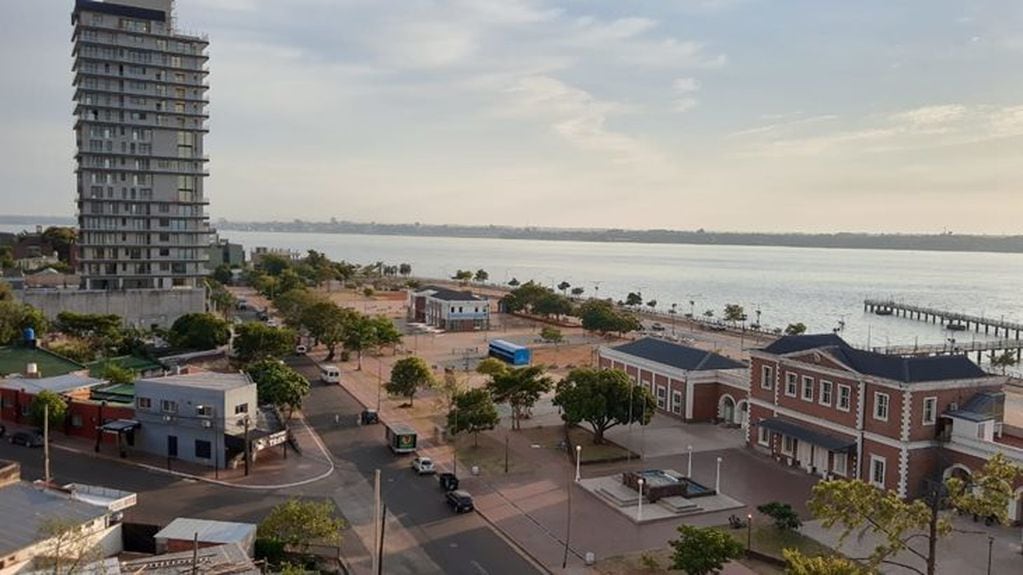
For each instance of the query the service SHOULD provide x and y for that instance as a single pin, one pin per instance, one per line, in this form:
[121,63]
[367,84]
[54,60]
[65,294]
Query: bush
[75,350]
[785,518]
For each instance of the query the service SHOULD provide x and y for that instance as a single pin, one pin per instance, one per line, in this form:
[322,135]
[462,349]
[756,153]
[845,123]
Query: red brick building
[84,415]
[819,404]
[690,383]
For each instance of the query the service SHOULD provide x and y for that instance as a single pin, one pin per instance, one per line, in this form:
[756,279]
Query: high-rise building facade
[140,118]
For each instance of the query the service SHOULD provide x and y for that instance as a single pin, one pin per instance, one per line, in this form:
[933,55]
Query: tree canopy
[473,411]
[601,398]
[15,317]
[327,322]
[254,341]
[409,375]
[200,331]
[602,317]
[297,523]
[279,385]
[42,400]
[520,388]
[703,550]
[795,328]
[734,313]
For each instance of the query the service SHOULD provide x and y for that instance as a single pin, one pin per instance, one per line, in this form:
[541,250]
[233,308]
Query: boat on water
[955,326]
[883,311]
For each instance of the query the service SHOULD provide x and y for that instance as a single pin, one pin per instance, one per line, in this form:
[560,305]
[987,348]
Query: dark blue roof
[118,10]
[443,293]
[680,356]
[982,407]
[887,366]
[802,433]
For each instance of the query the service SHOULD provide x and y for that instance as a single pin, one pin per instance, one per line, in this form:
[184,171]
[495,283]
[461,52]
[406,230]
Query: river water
[819,287]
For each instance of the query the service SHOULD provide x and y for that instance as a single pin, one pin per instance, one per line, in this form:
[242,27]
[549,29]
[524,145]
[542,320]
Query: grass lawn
[552,436]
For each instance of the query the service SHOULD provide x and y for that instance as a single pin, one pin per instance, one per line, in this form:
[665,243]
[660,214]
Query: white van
[330,374]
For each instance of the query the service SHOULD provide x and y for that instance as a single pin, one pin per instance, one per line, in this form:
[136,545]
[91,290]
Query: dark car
[448,481]
[27,438]
[369,416]
[460,501]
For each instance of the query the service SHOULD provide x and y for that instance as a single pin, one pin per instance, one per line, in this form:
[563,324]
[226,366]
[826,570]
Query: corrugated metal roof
[185,528]
[25,509]
[204,380]
[58,384]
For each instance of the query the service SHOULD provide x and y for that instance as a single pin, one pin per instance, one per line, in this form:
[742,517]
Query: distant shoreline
[841,240]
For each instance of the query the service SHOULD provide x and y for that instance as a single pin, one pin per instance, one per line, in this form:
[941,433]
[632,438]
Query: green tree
[563,287]
[795,329]
[117,373]
[15,317]
[223,274]
[6,292]
[222,299]
[360,335]
[785,518]
[405,269]
[703,550]
[857,507]
[292,304]
[799,564]
[734,313]
[551,303]
[200,331]
[520,388]
[1004,360]
[385,333]
[463,276]
[634,299]
[601,398]
[491,366]
[578,291]
[474,411]
[42,400]
[708,313]
[409,375]
[279,385]
[481,276]
[273,264]
[551,335]
[6,262]
[367,292]
[62,240]
[514,282]
[601,316]
[652,304]
[296,524]
[326,322]
[254,341]
[89,325]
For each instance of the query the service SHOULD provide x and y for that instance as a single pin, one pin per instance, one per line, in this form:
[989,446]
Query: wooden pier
[1009,330]
[953,347]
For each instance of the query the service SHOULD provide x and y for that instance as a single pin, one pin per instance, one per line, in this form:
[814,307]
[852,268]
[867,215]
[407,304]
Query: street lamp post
[689,471]
[568,527]
[990,544]
[717,479]
[578,458]
[639,512]
[749,532]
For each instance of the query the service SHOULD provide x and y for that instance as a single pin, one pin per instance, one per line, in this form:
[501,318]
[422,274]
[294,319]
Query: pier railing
[963,321]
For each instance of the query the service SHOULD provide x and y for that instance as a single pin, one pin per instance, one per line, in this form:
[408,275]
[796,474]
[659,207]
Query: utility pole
[195,553]
[380,383]
[377,536]
[568,527]
[248,454]
[380,549]
[46,444]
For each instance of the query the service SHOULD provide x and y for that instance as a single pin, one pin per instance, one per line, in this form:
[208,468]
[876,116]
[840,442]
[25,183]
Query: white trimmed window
[844,397]
[878,466]
[763,436]
[767,377]
[662,397]
[825,394]
[791,380]
[807,388]
[930,410]
[168,406]
[881,406]
[676,402]
[144,402]
[840,463]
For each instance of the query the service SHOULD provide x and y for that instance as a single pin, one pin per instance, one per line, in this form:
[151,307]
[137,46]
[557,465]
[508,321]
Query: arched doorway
[726,409]
[742,413]
[958,471]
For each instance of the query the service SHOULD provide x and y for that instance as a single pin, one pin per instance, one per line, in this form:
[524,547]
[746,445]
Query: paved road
[456,543]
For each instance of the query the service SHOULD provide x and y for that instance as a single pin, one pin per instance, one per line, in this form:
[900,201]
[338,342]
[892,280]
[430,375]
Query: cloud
[683,89]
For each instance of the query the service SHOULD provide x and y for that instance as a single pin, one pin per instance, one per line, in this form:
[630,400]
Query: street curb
[500,532]
[183,475]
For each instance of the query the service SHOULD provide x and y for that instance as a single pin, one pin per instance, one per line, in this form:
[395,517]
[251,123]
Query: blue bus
[509,352]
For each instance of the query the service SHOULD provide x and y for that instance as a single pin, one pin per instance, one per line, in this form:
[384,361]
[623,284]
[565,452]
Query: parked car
[657,327]
[301,349]
[369,416]
[27,438]
[448,481]
[423,465]
[460,500]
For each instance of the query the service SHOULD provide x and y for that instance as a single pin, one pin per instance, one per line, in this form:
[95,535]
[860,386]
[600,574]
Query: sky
[748,115]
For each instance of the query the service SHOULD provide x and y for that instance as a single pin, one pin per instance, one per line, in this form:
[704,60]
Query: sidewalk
[271,470]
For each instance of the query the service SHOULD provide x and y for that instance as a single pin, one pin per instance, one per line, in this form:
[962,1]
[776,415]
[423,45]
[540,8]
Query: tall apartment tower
[140,118]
